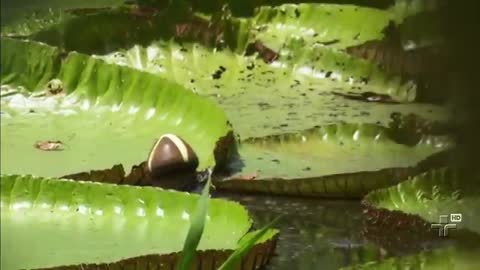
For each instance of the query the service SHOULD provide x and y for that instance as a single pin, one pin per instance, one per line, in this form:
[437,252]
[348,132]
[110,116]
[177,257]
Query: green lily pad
[429,195]
[48,223]
[249,88]
[332,25]
[105,115]
[118,40]
[25,17]
[337,160]
[246,87]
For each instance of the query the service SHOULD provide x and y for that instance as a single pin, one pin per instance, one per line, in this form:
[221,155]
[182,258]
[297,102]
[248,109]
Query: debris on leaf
[49,145]
[268,55]
[367,97]
[207,33]
[86,11]
[329,42]
[247,177]
[54,87]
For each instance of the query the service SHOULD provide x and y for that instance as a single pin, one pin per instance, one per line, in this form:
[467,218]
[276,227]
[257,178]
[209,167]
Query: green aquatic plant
[273,95]
[419,202]
[87,225]
[196,228]
[113,70]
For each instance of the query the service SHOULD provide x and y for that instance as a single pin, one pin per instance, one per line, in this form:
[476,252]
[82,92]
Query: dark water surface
[314,234]
[326,234]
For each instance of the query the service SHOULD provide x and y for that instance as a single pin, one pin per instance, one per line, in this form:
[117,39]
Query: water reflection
[315,234]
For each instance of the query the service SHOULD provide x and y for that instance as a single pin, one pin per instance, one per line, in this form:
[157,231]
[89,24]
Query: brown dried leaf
[49,145]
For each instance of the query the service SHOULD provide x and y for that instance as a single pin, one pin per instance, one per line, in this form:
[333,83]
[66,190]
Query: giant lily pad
[109,114]
[434,193]
[333,25]
[337,160]
[317,67]
[25,16]
[247,88]
[244,86]
[427,197]
[51,223]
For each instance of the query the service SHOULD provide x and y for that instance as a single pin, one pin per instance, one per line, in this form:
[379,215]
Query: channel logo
[446,223]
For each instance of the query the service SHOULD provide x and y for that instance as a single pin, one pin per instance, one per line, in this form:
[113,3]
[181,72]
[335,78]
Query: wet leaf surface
[91,223]
[317,107]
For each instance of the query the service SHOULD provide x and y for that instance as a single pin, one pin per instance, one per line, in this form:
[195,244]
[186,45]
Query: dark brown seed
[171,154]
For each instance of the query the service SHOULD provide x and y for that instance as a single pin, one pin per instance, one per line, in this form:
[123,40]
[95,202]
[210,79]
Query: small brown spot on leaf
[247,177]
[268,55]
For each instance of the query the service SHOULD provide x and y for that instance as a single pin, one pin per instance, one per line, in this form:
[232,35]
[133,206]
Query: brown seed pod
[171,157]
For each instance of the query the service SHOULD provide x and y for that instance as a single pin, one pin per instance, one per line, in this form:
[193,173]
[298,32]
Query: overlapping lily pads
[93,88]
[247,88]
[264,101]
[299,78]
[105,115]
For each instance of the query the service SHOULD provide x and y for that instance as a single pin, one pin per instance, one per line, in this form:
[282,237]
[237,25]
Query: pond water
[316,233]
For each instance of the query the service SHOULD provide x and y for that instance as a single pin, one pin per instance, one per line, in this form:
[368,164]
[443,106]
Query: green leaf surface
[261,99]
[51,222]
[302,91]
[429,195]
[249,88]
[435,193]
[110,114]
[337,26]
[23,17]
[341,149]
[303,76]
[316,66]
[329,161]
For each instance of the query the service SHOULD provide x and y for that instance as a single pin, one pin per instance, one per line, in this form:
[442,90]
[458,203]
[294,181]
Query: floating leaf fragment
[49,145]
